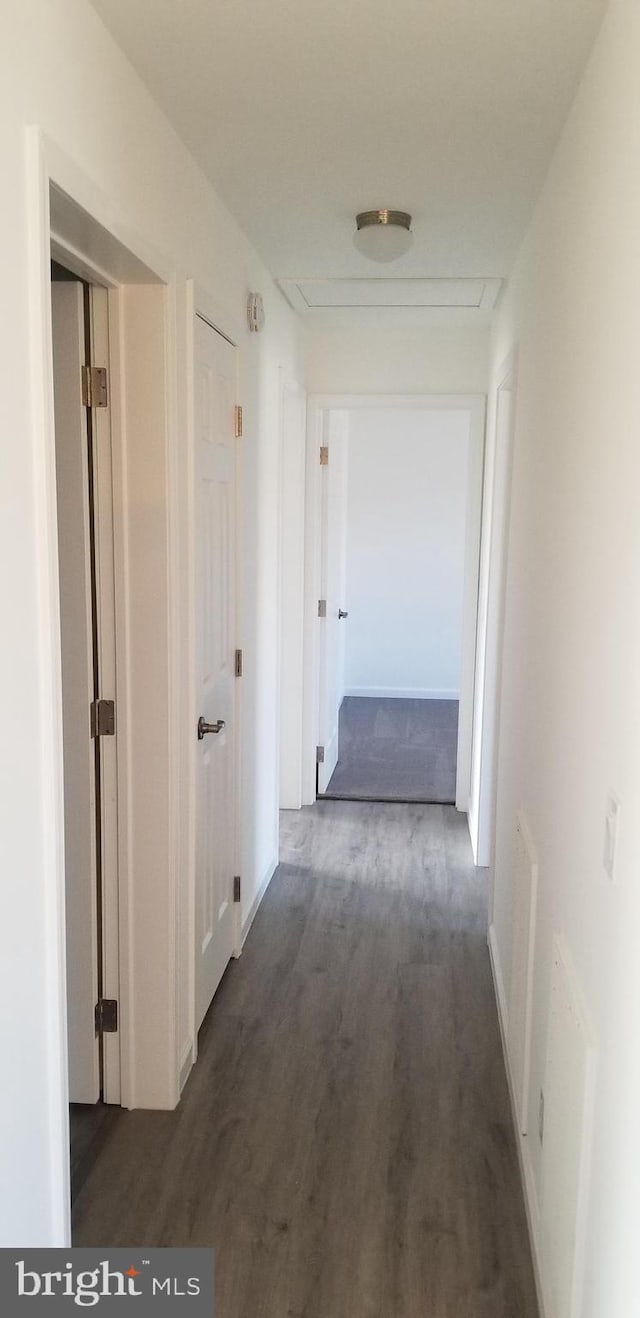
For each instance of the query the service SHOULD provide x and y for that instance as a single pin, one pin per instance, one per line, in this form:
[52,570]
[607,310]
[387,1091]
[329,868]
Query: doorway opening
[396,509]
[84,496]
[145,822]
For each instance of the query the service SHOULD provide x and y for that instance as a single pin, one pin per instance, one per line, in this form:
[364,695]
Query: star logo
[132,1272]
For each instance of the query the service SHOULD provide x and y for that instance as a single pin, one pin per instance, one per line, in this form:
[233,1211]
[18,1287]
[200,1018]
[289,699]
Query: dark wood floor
[90,1126]
[345,1140]
[396,750]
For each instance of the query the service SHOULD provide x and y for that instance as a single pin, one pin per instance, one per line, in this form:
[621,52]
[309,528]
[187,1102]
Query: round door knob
[204,727]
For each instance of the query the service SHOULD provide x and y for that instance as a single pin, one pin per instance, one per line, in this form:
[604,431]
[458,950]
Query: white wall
[60,70]
[570,720]
[406,528]
[375,359]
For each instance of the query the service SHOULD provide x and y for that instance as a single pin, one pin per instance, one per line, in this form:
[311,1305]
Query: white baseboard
[498,983]
[473,834]
[402,693]
[253,910]
[190,1050]
[186,1063]
[522,1141]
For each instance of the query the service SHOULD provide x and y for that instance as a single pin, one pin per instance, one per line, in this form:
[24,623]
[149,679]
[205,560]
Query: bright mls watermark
[141,1281]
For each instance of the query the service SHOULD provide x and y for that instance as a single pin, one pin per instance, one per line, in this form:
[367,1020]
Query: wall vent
[525,892]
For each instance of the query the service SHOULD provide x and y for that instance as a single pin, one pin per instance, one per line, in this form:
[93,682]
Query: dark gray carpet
[396,750]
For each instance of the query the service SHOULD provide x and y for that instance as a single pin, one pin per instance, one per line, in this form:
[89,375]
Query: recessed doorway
[84,495]
[398,529]
[132,821]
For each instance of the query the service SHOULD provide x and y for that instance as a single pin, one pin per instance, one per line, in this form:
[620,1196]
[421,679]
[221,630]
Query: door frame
[496,509]
[75,221]
[330,634]
[105,584]
[317,406]
[99,604]
[291,594]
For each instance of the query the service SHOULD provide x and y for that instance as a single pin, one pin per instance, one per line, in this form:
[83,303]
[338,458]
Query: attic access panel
[309,295]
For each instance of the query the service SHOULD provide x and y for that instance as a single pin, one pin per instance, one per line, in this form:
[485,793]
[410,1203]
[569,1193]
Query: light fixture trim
[399,219]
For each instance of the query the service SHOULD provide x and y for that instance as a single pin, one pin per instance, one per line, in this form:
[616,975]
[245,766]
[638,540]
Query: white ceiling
[303,112]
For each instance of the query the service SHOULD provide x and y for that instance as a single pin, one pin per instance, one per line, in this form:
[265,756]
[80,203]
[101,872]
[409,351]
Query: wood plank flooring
[345,1140]
[89,1127]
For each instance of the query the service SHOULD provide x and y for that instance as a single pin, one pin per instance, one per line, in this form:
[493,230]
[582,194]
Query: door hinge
[322,608]
[238,665]
[239,421]
[94,386]
[324,455]
[319,754]
[236,887]
[103,718]
[106,1016]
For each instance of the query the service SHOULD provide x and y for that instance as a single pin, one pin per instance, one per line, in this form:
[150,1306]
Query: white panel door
[77,692]
[333,585]
[215,503]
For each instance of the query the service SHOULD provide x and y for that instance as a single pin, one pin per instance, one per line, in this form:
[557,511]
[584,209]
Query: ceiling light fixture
[383,235]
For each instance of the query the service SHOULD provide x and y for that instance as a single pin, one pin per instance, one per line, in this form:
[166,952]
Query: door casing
[291,465]
[331,630]
[151,323]
[491,607]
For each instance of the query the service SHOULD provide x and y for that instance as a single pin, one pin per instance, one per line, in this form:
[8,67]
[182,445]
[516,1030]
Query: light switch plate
[611,828]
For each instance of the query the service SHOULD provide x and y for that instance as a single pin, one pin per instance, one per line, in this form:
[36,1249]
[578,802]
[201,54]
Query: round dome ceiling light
[383,235]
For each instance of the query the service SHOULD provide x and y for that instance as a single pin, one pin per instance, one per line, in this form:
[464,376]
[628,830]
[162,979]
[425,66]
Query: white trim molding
[395,402]
[291,585]
[496,504]
[49,765]
[402,693]
[255,905]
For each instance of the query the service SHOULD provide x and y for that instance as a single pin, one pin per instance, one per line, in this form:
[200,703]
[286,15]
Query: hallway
[345,1140]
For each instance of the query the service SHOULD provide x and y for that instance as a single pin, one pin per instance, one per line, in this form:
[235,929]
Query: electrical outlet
[541,1117]
[611,826]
